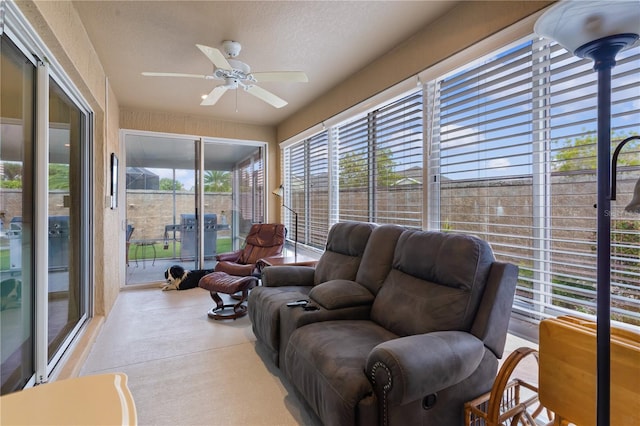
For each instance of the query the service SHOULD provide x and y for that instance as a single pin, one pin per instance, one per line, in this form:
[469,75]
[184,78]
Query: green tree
[581,153]
[385,167]
[12,171]
[59,176]
[354,169]
[167,184]
[11,184]
[217,181]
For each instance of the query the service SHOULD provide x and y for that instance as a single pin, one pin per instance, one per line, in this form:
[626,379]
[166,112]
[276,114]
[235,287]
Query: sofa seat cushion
[336,294]
[264,310]
[326,362]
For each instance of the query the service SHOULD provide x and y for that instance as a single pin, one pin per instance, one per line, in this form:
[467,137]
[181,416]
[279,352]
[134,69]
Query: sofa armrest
[409,368]
[492,320]
[336,294]
[279,276]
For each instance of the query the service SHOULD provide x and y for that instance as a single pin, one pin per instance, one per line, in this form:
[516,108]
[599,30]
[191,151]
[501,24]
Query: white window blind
[380,164]
[513,161]
[307,190]
[249,176]
[258,186]
[353,170]
[317,190]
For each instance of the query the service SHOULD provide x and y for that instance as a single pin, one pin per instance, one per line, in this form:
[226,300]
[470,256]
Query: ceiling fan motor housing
[240,71]
[231,48]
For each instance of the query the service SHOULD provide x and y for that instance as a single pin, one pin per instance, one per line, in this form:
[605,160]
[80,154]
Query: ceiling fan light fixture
[231,83]
[237,74]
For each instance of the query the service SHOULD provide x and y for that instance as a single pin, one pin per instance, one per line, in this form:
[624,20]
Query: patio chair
[130,230]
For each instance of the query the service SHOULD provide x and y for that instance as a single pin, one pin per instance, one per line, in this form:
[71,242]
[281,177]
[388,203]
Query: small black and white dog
[179,278]
[11,293]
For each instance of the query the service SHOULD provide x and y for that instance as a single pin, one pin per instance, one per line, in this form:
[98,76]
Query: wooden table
[102,399]
[568,374]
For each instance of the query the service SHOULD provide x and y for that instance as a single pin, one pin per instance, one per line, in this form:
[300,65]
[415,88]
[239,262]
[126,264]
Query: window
[511,157]
[307,190]
[513,162]
[380,164]
[366,169]
[249,194]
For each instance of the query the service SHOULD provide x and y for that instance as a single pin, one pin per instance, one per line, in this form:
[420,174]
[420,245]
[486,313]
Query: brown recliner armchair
[236,272]
[263,240]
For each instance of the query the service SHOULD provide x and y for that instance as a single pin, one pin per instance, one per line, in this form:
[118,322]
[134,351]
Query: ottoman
[221,282]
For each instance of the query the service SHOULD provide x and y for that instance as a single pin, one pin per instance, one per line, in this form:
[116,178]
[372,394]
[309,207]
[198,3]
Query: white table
[102,399]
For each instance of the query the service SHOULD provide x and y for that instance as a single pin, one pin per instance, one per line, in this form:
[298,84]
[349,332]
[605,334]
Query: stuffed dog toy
[179,278]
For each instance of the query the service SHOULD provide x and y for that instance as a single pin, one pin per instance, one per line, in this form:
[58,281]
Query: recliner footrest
[221,282]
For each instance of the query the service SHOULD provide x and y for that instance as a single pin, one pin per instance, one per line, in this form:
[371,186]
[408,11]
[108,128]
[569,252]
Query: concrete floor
[186,369]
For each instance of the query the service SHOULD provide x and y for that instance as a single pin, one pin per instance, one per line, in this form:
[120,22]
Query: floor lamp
[279,192]
[599,31]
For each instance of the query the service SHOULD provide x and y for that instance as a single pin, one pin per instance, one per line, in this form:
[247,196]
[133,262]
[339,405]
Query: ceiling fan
[236,74]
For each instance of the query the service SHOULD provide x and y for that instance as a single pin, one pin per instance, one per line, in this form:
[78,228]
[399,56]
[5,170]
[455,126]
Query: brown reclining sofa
[410,324]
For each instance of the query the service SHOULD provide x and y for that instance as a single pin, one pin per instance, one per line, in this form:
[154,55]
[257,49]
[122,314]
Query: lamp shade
[634,205]
[279,191]
[575,23]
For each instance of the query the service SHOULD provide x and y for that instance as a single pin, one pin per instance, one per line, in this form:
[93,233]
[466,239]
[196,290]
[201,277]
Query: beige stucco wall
[106,219]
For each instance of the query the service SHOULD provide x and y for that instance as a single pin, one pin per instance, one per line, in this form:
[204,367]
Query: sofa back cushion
[378,257]
[435,284]
[345,245]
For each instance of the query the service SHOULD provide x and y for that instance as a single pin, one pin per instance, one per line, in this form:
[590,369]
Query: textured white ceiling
[329,40]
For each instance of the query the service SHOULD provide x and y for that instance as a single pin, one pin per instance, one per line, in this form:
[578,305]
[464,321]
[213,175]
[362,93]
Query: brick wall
[150,211]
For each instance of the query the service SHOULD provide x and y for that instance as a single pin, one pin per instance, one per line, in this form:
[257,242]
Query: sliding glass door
[67,244]
[17,309]
[45,207]
[187,199]
[160,205]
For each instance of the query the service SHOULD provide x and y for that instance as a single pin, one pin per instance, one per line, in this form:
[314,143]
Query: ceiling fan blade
[266,96]
[216,57]
[172,74]
[214,95]
[291,76]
